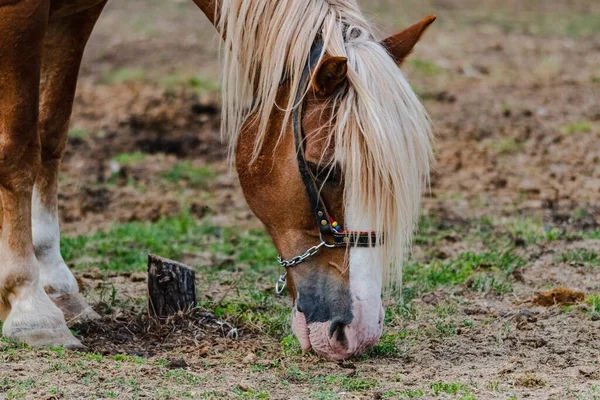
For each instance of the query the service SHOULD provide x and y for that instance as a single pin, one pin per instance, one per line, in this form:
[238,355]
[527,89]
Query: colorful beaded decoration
[337,227]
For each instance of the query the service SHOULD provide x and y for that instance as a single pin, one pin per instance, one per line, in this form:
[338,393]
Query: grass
[389,346]
[348,383]
[125,247]
[128,159]
[432,230]
[198,83]
[594,302]
[506,146]
[251,393]
[438,388]
[576,128]
[186,172]
[571,24]
[529,230]
[183,377]
[290,346]
[16,388]
[426,68]
[580,257]
[260,312]
[244,260]
[123,75]
[482,272]
[82,133]
[78,133]
[412,393]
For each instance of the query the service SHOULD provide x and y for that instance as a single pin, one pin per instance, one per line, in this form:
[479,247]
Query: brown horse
[321,121]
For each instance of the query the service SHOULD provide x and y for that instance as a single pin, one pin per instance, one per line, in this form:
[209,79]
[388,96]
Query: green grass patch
[594,302]
[183,377]
[123,75]
[323,396]
[129,159]
[583,25]
[433,229]
[125,247]
[506,146]
[576,128]
[411,393]
[427,68]
[262,312]
[388,346]
[531,230]
[482,271]
[16,388]
[290,346]
[195,177]
[78,133]
[438,388]
[8,345]
[198,83]
[396,314]
[251,393]
[571,24]
[352,384]
[581,257]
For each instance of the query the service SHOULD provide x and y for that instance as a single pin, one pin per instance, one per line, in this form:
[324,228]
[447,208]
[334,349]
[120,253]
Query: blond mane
[381,130]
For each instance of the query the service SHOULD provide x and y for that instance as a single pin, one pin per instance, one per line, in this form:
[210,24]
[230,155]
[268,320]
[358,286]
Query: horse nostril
[299,309]
[338,325]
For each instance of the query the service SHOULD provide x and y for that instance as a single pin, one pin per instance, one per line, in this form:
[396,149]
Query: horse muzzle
[340,339]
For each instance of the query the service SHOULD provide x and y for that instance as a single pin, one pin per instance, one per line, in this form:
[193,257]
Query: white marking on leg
[30,307]
[54,273]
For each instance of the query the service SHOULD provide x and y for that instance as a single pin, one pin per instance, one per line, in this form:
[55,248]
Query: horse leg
[64,44]
[30,315]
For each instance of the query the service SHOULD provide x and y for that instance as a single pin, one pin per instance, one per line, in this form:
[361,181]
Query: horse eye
[326,174]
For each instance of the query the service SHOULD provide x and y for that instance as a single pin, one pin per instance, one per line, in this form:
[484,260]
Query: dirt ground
[513,89]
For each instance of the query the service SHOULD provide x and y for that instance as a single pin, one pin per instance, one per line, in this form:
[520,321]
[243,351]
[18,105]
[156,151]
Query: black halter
[325,222]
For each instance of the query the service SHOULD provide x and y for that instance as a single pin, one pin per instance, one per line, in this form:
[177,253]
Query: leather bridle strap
[326,224]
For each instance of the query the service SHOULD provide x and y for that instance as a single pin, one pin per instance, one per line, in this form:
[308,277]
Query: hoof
[74,308]
[46,337]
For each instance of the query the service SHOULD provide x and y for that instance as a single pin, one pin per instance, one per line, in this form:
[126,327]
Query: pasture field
[513,88]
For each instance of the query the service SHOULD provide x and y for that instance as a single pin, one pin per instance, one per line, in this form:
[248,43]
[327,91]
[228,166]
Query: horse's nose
[337,325]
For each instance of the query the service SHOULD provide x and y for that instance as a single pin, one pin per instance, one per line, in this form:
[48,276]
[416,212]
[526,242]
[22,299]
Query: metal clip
[281,284]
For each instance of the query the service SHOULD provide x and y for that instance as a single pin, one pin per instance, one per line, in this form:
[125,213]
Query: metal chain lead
[302,257]
[282,282]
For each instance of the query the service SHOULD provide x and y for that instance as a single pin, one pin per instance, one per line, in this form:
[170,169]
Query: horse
[331,145]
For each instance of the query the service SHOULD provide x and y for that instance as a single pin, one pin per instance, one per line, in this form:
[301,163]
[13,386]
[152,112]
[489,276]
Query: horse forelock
[381,131]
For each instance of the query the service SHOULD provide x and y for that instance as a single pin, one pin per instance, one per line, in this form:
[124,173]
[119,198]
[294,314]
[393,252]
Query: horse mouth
[335,341]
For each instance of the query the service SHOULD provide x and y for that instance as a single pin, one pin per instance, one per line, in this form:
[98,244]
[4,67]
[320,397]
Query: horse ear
[210,8]
[401,44]
[330,74]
